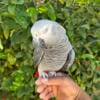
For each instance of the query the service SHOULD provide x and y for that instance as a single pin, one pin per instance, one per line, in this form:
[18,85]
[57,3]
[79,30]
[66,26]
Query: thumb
[54,81]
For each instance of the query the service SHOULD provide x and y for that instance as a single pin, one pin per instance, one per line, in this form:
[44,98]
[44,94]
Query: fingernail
[38,90]
[41,96]
[37,82]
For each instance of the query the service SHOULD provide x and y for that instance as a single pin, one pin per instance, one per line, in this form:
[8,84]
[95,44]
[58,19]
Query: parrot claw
[44,75]
[52,74]
[47,75]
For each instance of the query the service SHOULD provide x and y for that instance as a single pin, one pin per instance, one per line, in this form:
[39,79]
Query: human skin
[63,88]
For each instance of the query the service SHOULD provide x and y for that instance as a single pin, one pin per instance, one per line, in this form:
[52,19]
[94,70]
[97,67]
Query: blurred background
[81,18]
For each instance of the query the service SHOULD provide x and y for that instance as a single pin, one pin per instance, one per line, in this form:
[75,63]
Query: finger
[50,93]
[38,82]
[55,90]
[45,93]
[54,81]
[49,96]
[41,88]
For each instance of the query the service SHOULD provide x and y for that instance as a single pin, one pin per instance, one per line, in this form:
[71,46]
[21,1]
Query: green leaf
[22,21]
[5,31]
[10,23]
[21,17]
[73,68]
[6,84]
[24,91]
[86,26]
[8,26]
[42,9]
[89,56]
[61,1]
[18,37]
[1,45]
[81,2]
[19,55]
[2,69]
[17,1]
[96,33]
[51,12]
[12,9]
[11,59]
[32,12]
[2,55]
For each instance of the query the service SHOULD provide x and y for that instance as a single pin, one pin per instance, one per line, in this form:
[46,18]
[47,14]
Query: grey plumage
[53,51]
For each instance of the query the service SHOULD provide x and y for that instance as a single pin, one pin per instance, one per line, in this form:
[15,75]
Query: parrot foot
[47,75]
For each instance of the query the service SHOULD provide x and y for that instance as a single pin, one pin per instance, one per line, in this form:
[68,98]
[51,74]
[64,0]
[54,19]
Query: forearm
[82,95]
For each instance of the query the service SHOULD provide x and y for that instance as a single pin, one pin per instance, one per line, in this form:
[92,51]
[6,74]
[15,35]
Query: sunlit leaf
[1,45]
[2,55]
[5,31]
[32,12]
[11,59]
[61,1]
[84,56]
[11,9]
[42,9]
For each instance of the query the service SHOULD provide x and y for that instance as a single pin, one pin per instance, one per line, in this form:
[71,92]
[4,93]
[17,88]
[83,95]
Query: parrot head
[48,31]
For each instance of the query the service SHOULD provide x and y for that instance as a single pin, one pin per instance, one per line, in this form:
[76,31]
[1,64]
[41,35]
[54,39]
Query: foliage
[81,18]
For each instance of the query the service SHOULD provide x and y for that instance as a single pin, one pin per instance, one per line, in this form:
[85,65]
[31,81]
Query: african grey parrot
[53,50]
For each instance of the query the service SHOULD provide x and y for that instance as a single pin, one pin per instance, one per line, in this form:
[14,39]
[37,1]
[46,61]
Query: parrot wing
[38,54]
[69,60]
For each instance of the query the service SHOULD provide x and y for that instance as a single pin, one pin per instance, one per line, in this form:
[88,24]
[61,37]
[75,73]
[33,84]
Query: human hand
[60,87]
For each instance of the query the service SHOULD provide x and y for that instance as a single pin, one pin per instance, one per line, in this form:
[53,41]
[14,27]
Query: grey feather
[55,57]
[53,50]
[69,60]
[39,52]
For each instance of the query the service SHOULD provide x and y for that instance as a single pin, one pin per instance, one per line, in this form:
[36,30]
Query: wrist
[76,93]
[82,95]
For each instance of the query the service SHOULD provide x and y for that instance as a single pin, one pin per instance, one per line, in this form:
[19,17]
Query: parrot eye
[42,43]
